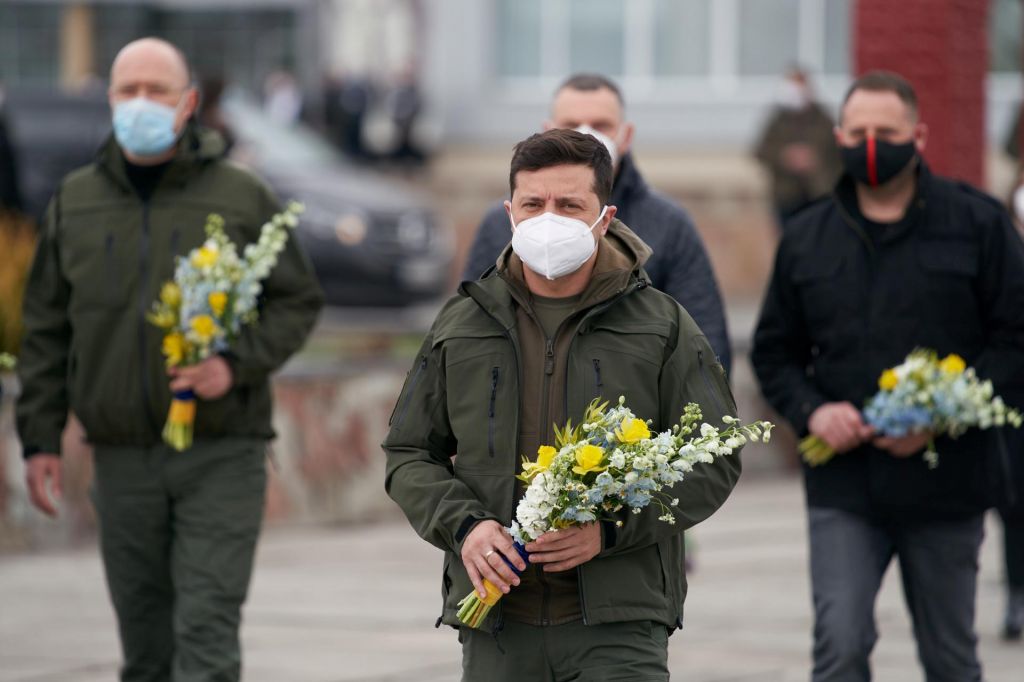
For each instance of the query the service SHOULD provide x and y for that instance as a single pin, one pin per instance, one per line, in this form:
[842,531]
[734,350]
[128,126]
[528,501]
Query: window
[29,44]
[650,42]
[1006,23]
[596,36]
[519,37]
[769,36]
[681,37]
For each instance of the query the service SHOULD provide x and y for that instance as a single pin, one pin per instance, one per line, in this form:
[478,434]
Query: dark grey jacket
[680,266]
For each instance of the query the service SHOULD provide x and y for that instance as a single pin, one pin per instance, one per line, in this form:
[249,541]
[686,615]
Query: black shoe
[1013,626]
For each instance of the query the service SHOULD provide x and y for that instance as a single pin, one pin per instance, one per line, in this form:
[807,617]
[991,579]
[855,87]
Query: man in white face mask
[679,265]
[568,315]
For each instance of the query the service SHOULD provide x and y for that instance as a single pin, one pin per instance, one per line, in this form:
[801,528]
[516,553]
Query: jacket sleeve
[691,281]
[289,305]
[1001,293]
[782,348]
[690,374]
[42,409]
[420,476]
[491,238]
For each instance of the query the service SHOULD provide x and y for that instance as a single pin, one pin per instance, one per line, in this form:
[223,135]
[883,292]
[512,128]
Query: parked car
[373,240]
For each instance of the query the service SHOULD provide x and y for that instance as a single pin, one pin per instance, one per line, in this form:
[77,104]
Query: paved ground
[358,604]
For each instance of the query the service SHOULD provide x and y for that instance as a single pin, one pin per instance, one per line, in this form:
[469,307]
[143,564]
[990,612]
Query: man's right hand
[840,425]
[482,556]
[39,470]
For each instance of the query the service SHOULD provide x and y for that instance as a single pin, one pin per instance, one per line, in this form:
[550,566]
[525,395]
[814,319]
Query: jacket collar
[845,195]
[628,183]
[196,147]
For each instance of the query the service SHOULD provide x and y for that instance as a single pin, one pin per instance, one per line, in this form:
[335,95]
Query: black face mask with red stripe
[875,162]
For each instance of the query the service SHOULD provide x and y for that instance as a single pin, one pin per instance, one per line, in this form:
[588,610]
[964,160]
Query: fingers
[493,568]
[482,555]
[566,548]
[39,472]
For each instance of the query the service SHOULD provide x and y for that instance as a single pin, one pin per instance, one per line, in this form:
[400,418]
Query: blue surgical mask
[143,127]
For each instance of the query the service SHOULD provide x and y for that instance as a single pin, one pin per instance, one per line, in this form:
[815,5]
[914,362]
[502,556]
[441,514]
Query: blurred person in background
[896,258]
[679,266]
[210,114]
[1012,512]
[282,98]
[178,530]
[797,147]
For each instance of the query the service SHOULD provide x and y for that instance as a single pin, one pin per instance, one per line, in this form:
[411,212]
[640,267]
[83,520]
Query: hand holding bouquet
[214,292]
[926,395]
[608,463]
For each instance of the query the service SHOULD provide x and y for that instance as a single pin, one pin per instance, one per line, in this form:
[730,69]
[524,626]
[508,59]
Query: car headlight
[351,229]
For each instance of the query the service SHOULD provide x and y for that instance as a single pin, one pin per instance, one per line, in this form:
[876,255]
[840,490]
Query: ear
[188,107]
[609,216]
[921,137]
[838,134]
[508,212]
[626,141]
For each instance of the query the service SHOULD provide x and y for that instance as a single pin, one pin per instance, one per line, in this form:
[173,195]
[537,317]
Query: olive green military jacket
[461,399]
[103,254]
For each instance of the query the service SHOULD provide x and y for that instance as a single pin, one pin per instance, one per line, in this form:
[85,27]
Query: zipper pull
[549,358]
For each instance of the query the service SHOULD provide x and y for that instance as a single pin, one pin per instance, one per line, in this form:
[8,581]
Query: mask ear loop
[599,217]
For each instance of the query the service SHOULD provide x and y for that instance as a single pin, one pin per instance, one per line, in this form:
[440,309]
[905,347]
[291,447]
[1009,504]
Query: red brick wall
[941,47]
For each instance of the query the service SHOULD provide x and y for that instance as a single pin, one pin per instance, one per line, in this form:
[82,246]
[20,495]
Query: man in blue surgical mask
[177,529]
[679,264]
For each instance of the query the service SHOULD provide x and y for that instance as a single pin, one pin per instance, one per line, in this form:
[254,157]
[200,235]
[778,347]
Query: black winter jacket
[841,307]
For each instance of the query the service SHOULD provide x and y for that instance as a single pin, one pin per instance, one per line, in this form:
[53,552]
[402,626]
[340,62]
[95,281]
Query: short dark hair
[588,82]
[883,81]
[561,146]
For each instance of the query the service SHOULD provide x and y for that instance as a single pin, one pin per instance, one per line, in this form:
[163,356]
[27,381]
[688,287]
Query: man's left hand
[904,446]
[209,380]
[567,548]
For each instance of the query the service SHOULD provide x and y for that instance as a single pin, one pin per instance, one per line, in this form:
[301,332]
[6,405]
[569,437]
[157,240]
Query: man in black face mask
[896,258]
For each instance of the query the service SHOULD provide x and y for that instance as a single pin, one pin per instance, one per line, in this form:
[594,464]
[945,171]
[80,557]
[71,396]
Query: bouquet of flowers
[7,362]
[214,292]
[608,463]
[926,395]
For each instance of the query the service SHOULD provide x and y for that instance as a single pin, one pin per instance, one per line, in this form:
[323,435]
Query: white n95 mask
[553,245]
[609,143]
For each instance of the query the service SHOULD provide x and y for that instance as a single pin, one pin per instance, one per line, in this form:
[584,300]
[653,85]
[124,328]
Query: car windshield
[273,143]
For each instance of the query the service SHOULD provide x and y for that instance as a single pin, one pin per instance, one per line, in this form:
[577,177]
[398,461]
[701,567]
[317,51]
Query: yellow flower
[632,431]
[204,257]
[218,300]
[953,364]
[204,327]
[589,458]
[888,380]
[170,295]
[174,348]
[545,455]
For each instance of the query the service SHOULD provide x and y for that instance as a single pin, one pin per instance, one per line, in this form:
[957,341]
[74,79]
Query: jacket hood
[196,146]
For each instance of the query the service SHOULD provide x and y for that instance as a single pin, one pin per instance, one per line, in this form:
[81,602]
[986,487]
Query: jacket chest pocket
[622,360]
[825,291]
[99,265]
[950,270]
[482,395]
